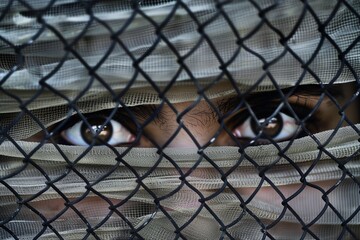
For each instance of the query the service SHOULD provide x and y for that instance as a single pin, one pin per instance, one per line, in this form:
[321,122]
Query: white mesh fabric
[67,54]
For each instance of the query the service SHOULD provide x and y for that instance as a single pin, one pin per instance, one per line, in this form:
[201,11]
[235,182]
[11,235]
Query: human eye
[97,131]
[280,127]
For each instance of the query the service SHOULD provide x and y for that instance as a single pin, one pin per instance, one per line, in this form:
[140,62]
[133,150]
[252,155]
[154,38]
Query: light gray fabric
[266,205]
[47,53]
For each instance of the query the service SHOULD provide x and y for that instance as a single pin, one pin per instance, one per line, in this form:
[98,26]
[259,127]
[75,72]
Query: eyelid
[297,113]
[288,128]
[74,134]
[301,110]
[260,111]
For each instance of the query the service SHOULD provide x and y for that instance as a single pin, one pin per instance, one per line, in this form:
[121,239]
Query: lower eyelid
[289,129]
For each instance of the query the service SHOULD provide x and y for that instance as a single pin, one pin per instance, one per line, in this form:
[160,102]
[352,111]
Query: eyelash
[236,122]
[280,128]
[244,131]
[112,133]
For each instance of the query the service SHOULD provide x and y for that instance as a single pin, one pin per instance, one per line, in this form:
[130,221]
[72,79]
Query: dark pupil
[96,125]
[272,129]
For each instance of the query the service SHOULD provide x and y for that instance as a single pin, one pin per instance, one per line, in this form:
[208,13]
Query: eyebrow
[227,105]
[137,114]
[259,98]
[142,111]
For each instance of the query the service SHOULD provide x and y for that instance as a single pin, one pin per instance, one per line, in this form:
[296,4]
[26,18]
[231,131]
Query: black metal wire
[8,229]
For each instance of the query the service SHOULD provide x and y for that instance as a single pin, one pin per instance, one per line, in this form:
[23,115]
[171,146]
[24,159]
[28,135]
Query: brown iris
[269,128]
[104,131]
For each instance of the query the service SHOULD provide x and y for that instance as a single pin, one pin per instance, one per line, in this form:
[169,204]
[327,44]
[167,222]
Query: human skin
[203,124]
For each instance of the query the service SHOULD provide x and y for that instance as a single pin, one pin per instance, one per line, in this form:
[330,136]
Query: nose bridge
[200,124]
[183,139]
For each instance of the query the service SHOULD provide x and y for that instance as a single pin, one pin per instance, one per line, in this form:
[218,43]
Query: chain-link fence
[179,119]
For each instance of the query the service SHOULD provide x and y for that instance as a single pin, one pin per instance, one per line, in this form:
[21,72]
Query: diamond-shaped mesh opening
[179,119]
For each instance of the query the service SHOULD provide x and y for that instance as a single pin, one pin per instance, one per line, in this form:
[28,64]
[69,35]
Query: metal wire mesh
[179,119]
